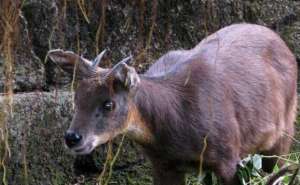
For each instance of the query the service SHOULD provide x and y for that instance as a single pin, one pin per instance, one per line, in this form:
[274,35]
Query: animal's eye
[108,105]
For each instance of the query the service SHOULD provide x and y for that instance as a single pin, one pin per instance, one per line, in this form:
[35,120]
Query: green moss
[58,178]
[290,34]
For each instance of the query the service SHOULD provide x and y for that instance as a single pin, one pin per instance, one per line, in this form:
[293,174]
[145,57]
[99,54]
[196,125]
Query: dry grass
[9,20]
[101,27]
[81,5]
[105,177]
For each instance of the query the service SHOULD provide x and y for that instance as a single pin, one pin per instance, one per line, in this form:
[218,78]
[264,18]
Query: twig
[274,177]
[202,156]
[114,160]
[108,158]
[100,30]
[83,11]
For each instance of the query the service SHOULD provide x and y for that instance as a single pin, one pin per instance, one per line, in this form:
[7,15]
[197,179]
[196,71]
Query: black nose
[72,139]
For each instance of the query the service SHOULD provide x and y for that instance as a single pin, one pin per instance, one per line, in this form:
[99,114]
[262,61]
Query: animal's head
[103,107]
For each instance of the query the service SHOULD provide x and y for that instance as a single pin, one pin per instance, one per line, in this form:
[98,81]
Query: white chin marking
[83,151]
[99,140]
[90,144]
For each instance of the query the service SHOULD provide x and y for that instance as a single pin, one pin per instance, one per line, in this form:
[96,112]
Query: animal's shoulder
[168,62]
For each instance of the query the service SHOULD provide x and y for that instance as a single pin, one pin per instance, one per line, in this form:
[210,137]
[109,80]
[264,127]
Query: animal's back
[249,70]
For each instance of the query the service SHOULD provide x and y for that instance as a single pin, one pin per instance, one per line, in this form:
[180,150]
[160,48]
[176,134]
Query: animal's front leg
[227,172]
[165,174]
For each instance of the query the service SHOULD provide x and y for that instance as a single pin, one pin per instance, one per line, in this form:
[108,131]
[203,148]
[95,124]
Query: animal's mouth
[83,150]
[89,145]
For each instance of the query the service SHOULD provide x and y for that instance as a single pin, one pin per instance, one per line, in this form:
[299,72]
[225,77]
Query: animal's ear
[124,76]
[68,60]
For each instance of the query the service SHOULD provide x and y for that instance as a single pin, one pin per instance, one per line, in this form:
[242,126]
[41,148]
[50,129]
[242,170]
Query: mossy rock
[27,69]
[127,27]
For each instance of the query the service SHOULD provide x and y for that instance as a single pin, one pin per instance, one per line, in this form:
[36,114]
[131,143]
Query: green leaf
[257,162]
[286,179]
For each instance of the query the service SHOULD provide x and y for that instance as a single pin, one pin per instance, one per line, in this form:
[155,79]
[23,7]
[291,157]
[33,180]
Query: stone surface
[131,27]
[28,69]
[127,26]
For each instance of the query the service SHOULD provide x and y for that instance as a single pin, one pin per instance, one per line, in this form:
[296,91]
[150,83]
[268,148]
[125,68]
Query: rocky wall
[147,29]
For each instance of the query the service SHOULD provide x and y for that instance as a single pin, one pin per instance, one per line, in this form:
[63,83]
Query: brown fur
[237,88]
[241,94]
[136,127]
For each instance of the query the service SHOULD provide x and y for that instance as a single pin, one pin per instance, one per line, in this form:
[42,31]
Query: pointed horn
[97,60]
[124,61]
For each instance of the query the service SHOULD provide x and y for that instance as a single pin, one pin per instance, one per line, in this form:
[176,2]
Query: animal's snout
[72,138]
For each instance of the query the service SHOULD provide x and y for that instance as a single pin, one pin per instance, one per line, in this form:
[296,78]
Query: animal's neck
[157,104]
[136,127]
